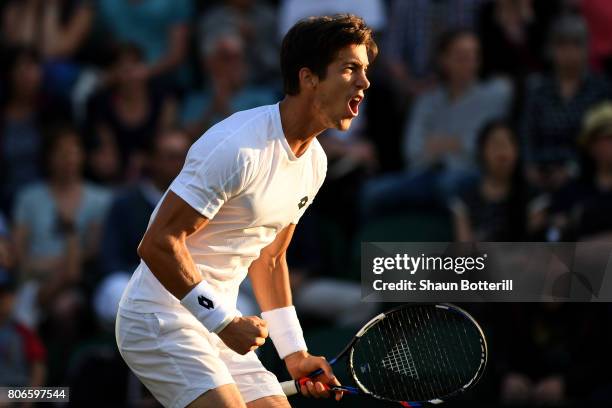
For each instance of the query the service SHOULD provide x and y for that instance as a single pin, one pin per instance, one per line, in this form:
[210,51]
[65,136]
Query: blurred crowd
[486,120]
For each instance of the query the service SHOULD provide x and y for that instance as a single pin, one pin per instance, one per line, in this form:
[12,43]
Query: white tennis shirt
[243,176]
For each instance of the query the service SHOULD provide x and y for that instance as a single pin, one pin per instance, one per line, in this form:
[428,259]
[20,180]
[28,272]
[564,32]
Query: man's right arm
[163,247]
[164,250]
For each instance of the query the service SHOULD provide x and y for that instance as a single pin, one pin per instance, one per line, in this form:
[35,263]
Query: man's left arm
[270,279]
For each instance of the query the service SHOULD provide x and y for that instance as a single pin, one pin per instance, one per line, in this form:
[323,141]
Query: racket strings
[419,333]
[461,336]
[418,354]
[450,349]
[399,340]
[390,376]
[435,360]
[400,360]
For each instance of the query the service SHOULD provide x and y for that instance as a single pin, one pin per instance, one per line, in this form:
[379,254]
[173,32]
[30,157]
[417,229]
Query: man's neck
[457,89]
[298,122]
[570,73]
[496,187]
[131,94]
[65,183]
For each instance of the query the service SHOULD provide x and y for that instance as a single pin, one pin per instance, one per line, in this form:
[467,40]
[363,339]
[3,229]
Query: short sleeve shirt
[243,176]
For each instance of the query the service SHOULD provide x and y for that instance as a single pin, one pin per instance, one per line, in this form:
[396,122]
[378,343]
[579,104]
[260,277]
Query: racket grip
[290,387]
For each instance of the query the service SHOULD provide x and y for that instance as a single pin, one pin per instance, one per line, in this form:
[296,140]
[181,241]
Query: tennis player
[231,212]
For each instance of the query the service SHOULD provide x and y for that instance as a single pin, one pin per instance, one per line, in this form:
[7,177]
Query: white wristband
[206,306]
[285,330]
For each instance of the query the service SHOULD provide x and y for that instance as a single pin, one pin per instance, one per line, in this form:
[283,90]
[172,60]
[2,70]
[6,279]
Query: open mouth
[354,104]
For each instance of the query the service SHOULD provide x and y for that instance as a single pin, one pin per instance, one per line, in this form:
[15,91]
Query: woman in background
[501,207]
[125,116]
[580,210]
[56,228]
[23,112]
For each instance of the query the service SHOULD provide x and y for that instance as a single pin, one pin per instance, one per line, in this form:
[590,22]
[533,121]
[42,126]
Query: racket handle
[290,387]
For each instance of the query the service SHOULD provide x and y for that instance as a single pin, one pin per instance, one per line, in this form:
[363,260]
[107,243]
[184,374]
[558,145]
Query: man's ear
[308,79]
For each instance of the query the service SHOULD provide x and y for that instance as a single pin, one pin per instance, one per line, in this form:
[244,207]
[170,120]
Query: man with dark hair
[555,104]
[231,212]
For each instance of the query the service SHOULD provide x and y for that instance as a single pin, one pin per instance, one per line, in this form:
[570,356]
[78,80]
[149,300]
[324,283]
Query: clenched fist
[244,334]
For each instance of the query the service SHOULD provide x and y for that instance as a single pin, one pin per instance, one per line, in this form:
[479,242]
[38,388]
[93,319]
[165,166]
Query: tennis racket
[413,355]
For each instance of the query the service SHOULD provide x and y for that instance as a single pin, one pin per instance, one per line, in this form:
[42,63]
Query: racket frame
[293,387]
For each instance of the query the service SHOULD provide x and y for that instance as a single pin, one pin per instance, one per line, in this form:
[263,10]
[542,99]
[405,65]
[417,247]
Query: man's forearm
[171,263]
[173,266]
[270,280]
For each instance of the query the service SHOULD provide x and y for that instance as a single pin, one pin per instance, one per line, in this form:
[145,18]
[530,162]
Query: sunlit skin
[346,78]
[326,103]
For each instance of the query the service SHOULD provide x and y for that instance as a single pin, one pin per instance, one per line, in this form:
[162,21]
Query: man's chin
[344,124]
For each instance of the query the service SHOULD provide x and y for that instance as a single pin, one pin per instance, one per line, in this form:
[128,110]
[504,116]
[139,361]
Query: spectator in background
[20,123]
[22,355]
[513,35]
[598,17]
[7,258]
[445,121]
[57,230]
[556,103]
[581,209]
[414,30]
[160,28]
[255,23]
[58,30]
[227,90]
[501,206]
[129,213]
[440,137]
[545,362]
[291,11]
[126,115]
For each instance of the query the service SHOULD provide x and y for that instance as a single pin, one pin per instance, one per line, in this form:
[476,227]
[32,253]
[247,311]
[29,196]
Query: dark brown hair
[53,135]
[448,38]
[314,43]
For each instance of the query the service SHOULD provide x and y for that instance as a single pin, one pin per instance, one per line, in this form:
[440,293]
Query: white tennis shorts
[178,360]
